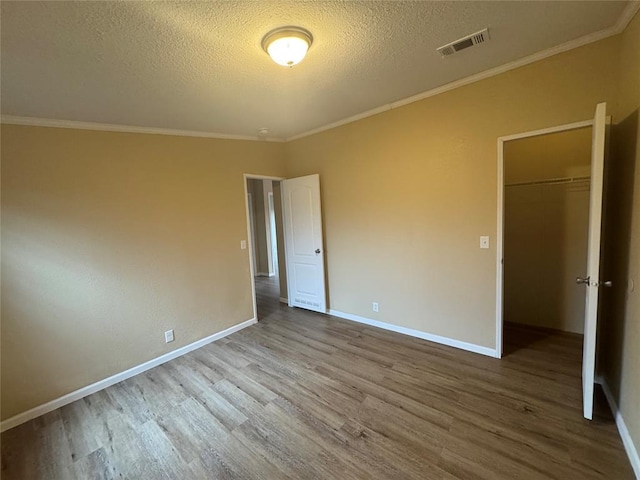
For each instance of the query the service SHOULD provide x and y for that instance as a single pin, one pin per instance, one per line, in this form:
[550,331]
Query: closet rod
[551,181]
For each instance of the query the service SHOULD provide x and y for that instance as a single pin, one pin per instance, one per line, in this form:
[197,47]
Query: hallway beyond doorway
[268,296]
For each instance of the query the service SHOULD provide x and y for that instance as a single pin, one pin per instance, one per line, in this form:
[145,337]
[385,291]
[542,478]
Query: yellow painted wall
[108,240]
[256,189]
[282,266]
[407,193]
[557,155]
[619,349]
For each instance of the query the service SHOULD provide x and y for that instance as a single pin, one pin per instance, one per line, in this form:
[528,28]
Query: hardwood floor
[303,396]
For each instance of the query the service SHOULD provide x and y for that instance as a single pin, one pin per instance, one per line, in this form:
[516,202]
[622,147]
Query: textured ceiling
[199,65]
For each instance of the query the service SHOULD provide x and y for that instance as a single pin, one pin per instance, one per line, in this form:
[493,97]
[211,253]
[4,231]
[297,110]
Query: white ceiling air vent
[464,42]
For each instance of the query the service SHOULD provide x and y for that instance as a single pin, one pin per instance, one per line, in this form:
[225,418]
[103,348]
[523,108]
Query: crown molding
[110,127]
[627,15]
[624,20]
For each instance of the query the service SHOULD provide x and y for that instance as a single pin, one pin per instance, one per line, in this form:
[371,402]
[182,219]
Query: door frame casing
[252,267]
[500,216]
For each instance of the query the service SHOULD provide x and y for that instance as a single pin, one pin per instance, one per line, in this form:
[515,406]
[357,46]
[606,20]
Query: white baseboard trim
[490,352]
[627,441]
[284,300]
[118,377]
[262,274]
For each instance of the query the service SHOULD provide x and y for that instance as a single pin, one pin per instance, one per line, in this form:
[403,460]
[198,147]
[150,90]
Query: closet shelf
[551,181]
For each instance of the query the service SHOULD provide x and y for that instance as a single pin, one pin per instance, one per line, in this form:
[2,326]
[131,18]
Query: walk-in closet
[547,180]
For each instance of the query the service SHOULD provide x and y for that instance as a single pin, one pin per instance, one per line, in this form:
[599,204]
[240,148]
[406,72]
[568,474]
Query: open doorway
[590,281]
[546,223]
[266,242]
[286,243]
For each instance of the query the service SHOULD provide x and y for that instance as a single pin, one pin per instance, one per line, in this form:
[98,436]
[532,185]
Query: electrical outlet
[376,307]
[168,336]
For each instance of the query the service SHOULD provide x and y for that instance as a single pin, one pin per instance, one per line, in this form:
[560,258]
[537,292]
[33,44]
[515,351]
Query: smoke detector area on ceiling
[464,42]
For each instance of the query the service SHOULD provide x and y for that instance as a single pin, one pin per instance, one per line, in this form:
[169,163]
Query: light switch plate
[243,244]
[484,242]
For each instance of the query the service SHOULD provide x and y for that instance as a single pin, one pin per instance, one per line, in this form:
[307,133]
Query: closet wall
[258,190]
[282,266]
[546,223]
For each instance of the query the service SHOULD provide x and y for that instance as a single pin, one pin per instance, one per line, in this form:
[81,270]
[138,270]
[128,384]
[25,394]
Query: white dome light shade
[288,51]
[287,46]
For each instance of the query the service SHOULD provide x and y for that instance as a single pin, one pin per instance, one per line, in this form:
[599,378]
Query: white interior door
[592,280]
[304,249]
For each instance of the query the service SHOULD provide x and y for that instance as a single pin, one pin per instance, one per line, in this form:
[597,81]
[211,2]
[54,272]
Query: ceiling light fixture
[287,46]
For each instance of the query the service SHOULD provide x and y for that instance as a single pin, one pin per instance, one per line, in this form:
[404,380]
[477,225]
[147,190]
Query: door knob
[317,251]
[608,283]
[584,281]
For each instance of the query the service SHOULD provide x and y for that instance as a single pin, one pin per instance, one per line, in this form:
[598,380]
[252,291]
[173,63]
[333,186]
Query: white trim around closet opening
[500,215]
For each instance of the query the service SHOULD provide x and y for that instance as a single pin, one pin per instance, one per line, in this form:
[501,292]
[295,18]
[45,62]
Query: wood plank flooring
[306,396]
